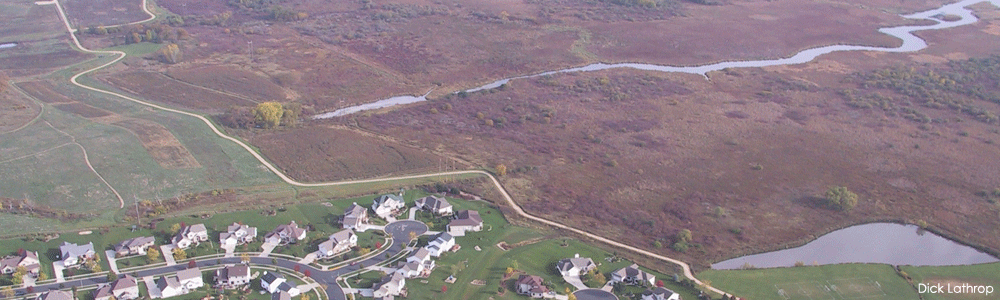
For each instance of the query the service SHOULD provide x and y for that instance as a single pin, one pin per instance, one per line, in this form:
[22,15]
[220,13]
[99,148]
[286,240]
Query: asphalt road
[594,294]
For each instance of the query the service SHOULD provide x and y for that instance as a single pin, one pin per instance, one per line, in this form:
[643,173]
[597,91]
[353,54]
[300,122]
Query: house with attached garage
[419,256]
[190,279]
[575,266]
[169,287]
[434,204]
[74,255]
[339,242]
[125,288]
[24,258]
[237,234]
[286,234]
[441,243]
[531,285]
[354,216]
[660,293]
[55,295]
[232,276]
[390,286]
[275,283]
[281,296]
[134,246]
[387,205]
[190,235]
[633,275]
[464,221]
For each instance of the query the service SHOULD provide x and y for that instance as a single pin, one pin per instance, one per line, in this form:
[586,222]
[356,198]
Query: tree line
[265,115]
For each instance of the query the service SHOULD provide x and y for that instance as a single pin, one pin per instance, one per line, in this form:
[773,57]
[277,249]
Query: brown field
[162,145]
[231,80]
[679,146]
[85,13]
[157,87]
[15,109]
[346,54]
[322,154]
[42,41]
[83,110]
[627,154]
[43,91]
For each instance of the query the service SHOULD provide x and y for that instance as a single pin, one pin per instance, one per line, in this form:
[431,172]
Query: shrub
[840,198]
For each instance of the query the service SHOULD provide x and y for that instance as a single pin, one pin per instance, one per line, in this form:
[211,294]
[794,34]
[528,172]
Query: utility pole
[251,50]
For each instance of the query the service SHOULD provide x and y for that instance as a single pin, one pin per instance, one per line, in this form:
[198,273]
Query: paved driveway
[576,282]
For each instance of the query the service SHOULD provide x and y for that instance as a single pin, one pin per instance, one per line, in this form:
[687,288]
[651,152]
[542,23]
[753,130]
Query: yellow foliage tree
[501,169]
[152,254]
[268,114]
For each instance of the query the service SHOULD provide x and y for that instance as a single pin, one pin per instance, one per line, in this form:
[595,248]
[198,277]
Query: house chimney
[576,255]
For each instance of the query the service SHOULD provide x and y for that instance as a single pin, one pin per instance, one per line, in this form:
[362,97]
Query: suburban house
[465,220]
[531,285]
[193,234]
[232,276]
[421,256]
[286,234]
[418,264]
[169,287]
[281,296]
[354,216]
[26,259]
[134,246]
[442,242]
[575,266]
[435,204]
[390,286]
[73,254]
[660,293]
[237,234]
[339,242]
[275,283]
[190,279]
[411,269]
[387,205]
[125,288]
[55,295]
[633,276]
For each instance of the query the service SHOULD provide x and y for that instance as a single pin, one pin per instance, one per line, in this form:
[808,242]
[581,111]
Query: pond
[886,243]
[8,45]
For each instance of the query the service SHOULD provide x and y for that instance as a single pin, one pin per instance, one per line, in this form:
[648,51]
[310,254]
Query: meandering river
[885,243]
[911,43]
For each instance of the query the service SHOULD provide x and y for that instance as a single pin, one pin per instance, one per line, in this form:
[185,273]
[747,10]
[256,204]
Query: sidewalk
[311,257]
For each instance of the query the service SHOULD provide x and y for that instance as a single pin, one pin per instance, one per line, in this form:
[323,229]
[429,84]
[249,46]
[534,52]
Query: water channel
[911,43]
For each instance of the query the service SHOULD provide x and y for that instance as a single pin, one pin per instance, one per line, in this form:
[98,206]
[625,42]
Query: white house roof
[342,236]
[73,250]
[582,263]
[188,274]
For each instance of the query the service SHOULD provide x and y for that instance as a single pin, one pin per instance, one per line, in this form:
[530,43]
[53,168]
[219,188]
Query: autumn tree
[444,288]
[571,297]
[171,53]
[268,114]
[180,254]
[174,229]
[290,113]
[501,169]
[7,292]
[840,198]
[245,258]
[152,255]
[684,235]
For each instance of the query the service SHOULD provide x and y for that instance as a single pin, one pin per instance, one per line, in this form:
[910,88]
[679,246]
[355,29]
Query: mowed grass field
[975,275]
[834,282]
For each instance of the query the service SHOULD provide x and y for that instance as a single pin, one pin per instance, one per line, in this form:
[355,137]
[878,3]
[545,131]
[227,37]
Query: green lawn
[868,281]
[976,275]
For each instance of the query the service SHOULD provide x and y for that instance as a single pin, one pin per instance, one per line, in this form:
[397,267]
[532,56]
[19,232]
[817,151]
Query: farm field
[41,44]
[319,154]
[86,13]
[834,282]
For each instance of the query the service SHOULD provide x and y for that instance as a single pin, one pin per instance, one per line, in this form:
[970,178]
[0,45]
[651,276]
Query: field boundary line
[36,153]
[86,159]
[41,108]
[517,208]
